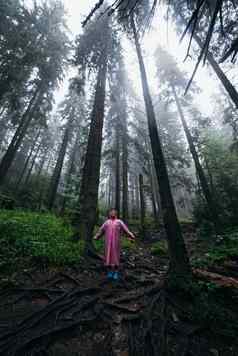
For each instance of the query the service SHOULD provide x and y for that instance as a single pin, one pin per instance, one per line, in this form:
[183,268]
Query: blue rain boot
[110,275]
[116,276]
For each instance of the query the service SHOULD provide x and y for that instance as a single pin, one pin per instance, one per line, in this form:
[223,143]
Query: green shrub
[41,236]
[126,244]
[226,249]
[99,245]
[160,248]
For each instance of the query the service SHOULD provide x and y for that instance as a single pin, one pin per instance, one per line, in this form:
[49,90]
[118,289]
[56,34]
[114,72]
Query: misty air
[118,178]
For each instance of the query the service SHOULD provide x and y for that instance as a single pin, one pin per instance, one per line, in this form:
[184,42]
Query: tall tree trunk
[133,202]
[54,183]
[20,133]
[152,185]
[179,261]
[5,86]
[32,164]
[118,174]
[156,190]
[42,163]
[153,200]
[124,171]
[202,178]
[71,170]
[137,197]
[88,199]
[109,202]
[142,204]
[43,188]
[27,160]
[3,109]
[209,174]
[3,127]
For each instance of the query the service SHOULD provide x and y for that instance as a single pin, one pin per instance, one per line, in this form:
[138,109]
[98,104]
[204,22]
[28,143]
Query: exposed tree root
[152,319]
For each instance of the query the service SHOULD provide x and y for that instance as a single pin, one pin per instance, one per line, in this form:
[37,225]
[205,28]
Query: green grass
[39,236]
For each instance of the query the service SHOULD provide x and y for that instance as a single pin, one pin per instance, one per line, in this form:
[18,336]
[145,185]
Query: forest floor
[77,311]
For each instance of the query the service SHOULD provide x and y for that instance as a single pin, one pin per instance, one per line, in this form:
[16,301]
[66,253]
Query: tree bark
[3,126]
[27,161]
[132,193]
[54,183]
[88,198]
[26,119]
[179,261]
[152,185]
[71,170]
[142,204]
[42,163]
[5,85]
[153,200]
[137,197]
[118,174]
[43,188]
[124,171]
[109,201]
[32,164]
[202,178]
[156,190]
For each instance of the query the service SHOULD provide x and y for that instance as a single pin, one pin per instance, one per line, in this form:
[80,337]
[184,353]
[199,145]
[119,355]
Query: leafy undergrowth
[78,311]
[40,237]
[160,248]
[222,249]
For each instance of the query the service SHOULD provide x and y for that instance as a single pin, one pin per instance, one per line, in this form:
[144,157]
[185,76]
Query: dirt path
[77,311]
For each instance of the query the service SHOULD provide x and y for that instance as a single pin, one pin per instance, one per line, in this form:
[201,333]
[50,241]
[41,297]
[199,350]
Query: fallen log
[216,278]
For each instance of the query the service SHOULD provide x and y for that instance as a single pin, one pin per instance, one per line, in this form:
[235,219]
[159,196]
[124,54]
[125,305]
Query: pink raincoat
[112,229]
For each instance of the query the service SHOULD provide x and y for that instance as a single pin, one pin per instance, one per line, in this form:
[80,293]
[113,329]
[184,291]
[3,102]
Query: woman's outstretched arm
[127,231]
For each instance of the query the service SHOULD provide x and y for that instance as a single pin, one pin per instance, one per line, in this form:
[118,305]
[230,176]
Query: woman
[112,228]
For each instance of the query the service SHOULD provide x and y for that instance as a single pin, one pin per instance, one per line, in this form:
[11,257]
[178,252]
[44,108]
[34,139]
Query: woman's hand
[132,238]
[95,237]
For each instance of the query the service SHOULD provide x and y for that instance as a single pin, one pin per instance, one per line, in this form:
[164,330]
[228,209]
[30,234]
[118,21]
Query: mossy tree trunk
[179,262]
[124,170]
[117,173]
[88,198]
[142,204]
[54,183]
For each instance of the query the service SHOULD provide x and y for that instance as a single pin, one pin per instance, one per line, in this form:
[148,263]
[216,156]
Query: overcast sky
[78,9]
